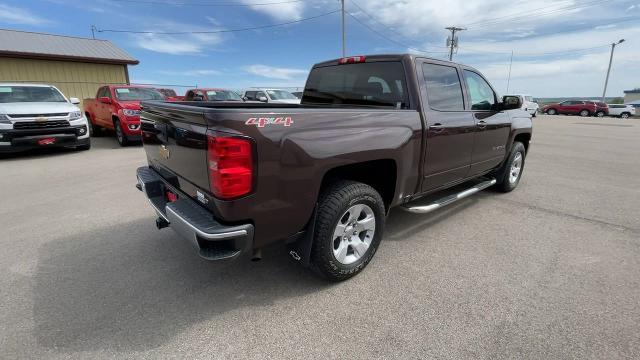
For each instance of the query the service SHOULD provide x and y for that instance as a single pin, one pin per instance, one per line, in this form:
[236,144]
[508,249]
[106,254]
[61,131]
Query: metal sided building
[77,66]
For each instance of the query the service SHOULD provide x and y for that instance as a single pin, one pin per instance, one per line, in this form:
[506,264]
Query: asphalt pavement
[549,271]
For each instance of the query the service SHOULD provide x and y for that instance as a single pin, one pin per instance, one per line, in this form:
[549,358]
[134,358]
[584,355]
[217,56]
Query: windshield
[529,98]
[11,94]
[372,84]
[136,94]
[281,95]
[222,95]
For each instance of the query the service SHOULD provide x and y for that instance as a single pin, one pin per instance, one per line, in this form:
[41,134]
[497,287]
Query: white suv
[33,116]
[274,96]
[528,104]
[622,110]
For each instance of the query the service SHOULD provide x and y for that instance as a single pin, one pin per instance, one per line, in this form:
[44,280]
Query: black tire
[534,114]
[625,115]
[503,176]
[84,147]
[333,205]
[120,135]
[600,114]
[584,113]
[94,130]
[551,112]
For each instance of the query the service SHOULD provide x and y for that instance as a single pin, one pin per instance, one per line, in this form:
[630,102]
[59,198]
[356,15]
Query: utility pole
[453,43]
[344,39]
[509,78]
[606,80]
[93,31]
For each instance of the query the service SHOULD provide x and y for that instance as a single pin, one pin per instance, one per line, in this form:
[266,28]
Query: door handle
[481,124]
[436,127]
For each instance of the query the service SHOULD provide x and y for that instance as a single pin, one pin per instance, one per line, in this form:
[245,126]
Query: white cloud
[184,44]
[190,72]
[15,15]
[283,11]
[272,72]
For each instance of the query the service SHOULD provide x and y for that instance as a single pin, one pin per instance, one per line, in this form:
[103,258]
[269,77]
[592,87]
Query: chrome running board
[423,209]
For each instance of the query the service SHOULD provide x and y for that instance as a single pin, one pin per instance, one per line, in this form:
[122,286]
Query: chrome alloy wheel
[353,234]
[516,168]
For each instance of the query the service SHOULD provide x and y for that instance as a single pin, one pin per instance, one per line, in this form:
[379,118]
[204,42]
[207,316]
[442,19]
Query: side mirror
[74,101]
[104,100]
[511,102]
[262,98]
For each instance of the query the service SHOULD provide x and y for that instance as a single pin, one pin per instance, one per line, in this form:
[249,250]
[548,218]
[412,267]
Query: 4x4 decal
[264,121]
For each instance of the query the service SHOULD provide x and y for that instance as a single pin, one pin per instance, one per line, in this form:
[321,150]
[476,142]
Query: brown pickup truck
[371,133]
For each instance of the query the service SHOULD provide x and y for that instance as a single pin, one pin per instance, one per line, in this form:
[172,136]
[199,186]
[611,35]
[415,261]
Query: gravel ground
[551,270]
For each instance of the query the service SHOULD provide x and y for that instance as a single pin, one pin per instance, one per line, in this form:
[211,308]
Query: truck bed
[291,156]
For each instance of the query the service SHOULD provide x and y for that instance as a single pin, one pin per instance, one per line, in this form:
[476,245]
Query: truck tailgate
[175,142]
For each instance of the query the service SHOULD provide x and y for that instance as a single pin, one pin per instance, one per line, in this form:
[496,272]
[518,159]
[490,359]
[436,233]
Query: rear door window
[444,90]
[373,84]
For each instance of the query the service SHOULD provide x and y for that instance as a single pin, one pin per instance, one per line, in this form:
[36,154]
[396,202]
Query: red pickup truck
[117,107]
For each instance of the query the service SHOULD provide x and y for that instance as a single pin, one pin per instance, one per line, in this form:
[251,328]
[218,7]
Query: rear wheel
[509,175]
[551,112]
[600,114]
[350,222]
[584,113]
[625,115]
[120,136]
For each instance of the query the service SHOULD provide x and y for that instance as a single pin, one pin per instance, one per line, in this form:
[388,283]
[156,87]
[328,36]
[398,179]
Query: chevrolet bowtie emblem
[164,152]
[41,119]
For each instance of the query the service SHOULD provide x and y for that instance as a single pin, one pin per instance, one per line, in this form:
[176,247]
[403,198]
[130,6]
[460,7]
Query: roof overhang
[23,55]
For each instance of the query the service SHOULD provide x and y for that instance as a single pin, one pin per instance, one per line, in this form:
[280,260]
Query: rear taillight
[230,163]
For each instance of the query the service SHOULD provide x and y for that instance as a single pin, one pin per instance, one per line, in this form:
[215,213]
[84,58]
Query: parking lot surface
[551,270]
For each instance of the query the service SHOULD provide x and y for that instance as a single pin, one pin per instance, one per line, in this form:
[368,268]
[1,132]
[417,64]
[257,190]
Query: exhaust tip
[257,255]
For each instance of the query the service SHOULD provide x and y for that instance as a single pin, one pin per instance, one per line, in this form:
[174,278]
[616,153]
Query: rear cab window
[444,91]
[381,84]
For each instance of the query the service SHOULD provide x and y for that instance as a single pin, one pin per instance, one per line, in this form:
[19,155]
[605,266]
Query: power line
[227,4]
[565,9]
[378,21]
[392,40]
[217,31]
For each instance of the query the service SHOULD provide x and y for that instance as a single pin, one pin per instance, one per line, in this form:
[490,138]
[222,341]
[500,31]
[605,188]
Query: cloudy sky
[560,47]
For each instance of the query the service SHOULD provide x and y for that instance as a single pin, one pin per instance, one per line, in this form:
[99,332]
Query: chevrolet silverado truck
[370,134]
[117,107]
[36,116]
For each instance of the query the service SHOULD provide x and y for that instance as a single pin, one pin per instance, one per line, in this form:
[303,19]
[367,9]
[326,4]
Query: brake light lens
[351,60]
[230,162]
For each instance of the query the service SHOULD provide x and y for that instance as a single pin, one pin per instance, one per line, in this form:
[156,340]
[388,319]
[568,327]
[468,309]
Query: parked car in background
[117,107]
[622,110]
[273,96]
[321,176]
[602,109]
[211,94]
[528,104]
[636,105]
[169,94]
[33,116]
[571,107]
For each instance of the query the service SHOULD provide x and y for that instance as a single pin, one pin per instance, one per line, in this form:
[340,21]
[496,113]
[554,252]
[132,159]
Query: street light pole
[344,45]
[606,80]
